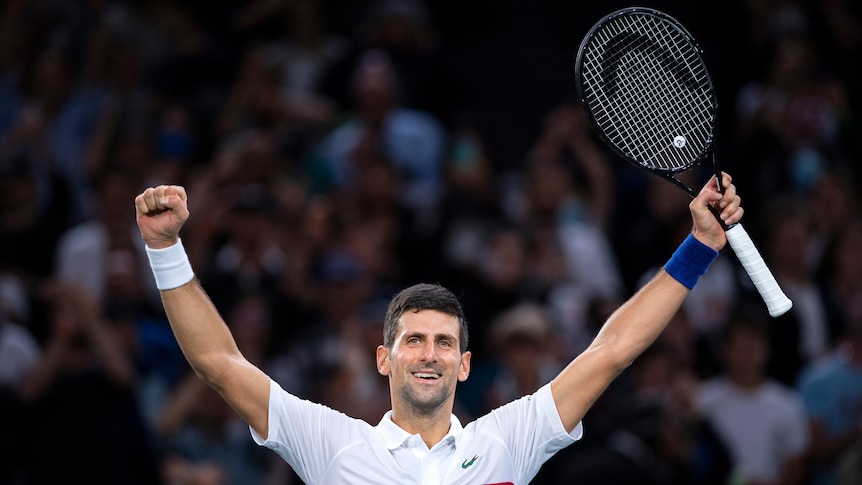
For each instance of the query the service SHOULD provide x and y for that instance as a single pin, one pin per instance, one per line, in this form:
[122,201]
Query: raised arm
[200,331]
[638,322]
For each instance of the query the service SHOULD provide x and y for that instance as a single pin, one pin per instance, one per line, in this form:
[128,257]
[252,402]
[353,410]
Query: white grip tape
[170,265]
[776,301]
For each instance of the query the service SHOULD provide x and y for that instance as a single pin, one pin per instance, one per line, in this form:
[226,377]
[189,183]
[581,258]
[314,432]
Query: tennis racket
[645,86]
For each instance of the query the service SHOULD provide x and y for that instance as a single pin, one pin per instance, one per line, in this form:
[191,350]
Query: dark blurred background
[336,151]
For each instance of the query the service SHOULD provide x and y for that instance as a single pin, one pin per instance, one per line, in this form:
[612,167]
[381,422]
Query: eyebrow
[437,336]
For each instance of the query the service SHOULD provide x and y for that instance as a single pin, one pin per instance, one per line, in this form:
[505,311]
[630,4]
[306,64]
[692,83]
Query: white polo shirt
[506,446]
[763,428]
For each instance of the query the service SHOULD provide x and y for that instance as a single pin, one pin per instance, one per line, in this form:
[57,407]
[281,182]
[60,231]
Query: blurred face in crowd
[504,262]
[116,189]
[549,185]
[746,353]
[374,88]
[52,80]
[790,244]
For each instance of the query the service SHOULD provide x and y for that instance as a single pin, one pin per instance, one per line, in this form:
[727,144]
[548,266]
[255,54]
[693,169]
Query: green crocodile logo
[468,463]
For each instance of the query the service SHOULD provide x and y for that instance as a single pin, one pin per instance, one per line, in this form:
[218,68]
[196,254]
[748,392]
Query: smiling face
[424,364]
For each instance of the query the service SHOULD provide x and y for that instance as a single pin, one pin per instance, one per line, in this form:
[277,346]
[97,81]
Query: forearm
[212,353]
[625,335]
[636,324]
[43,375]
[200,331]
[628,332]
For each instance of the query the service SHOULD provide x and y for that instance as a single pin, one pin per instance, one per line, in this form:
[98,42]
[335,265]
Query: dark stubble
[424,405]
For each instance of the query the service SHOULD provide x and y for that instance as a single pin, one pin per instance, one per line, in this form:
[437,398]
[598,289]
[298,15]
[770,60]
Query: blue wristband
[690,261]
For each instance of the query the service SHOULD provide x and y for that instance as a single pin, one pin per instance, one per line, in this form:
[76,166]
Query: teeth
[427,376]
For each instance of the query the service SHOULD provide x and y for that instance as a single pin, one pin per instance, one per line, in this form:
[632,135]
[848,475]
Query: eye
[413,340]
[445,343]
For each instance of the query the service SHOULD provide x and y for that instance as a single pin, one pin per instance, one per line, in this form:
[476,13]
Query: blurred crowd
[336,151]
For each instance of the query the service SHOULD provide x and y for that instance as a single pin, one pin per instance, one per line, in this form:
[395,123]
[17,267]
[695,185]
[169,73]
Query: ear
[383,360]
[464,370]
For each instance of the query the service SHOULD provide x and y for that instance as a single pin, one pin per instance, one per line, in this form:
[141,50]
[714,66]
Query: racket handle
[776,301]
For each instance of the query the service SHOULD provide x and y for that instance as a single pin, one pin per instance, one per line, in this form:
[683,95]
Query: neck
[746,382]
[431,427]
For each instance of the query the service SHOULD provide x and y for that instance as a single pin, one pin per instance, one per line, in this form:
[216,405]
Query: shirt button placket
[430,471]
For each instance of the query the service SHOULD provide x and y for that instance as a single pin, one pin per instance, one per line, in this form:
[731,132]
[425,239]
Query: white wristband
[170,266]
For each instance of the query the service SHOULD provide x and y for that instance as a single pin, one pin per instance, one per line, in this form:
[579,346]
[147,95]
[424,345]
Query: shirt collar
[394,436]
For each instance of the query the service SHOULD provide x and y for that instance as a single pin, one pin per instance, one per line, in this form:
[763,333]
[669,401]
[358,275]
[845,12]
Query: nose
[429,352]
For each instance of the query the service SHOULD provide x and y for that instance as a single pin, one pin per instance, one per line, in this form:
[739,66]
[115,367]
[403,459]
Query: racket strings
[655,99]
[655,96]
[673,115]
[647,87]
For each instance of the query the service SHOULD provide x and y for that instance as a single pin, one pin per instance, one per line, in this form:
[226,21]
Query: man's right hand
[161,212]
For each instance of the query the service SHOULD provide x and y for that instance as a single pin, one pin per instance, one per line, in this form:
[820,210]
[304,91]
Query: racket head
[647,91]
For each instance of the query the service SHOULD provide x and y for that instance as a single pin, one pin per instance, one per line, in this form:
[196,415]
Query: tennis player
[424,354]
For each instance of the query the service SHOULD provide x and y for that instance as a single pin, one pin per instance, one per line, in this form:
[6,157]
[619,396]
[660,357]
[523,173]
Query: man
[424,355]
[832,391]
[761,421]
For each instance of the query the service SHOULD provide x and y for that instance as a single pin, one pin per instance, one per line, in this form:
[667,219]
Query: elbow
[214,370]
[203,374]
[206,368]
[615,357]
[212,376]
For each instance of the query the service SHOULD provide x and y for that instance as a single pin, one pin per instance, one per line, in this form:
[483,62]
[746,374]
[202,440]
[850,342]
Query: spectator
[19,354]
[832,390]
[406,30]
[254,100]
[302,56]
[413,141]
[567,138]
[791,119]
[472,202]
[81,394]
[204,441]
[801,334]
[83,252]
[57,121]
[498,281]
[840,276]
[523,335]
[29,226]
[248,260]
[557,213]
[648,432]
[761,421]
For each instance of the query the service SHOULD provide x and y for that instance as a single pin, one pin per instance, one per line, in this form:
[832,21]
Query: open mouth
[426,375]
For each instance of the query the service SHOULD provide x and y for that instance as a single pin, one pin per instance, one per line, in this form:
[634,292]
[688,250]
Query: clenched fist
[161,212]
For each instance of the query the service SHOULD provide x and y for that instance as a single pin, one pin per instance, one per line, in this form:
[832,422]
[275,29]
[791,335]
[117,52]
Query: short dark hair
[420,297]
[745,322]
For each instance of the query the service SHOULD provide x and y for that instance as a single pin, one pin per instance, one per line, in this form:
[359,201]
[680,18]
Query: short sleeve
[307,435]
[531,429]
